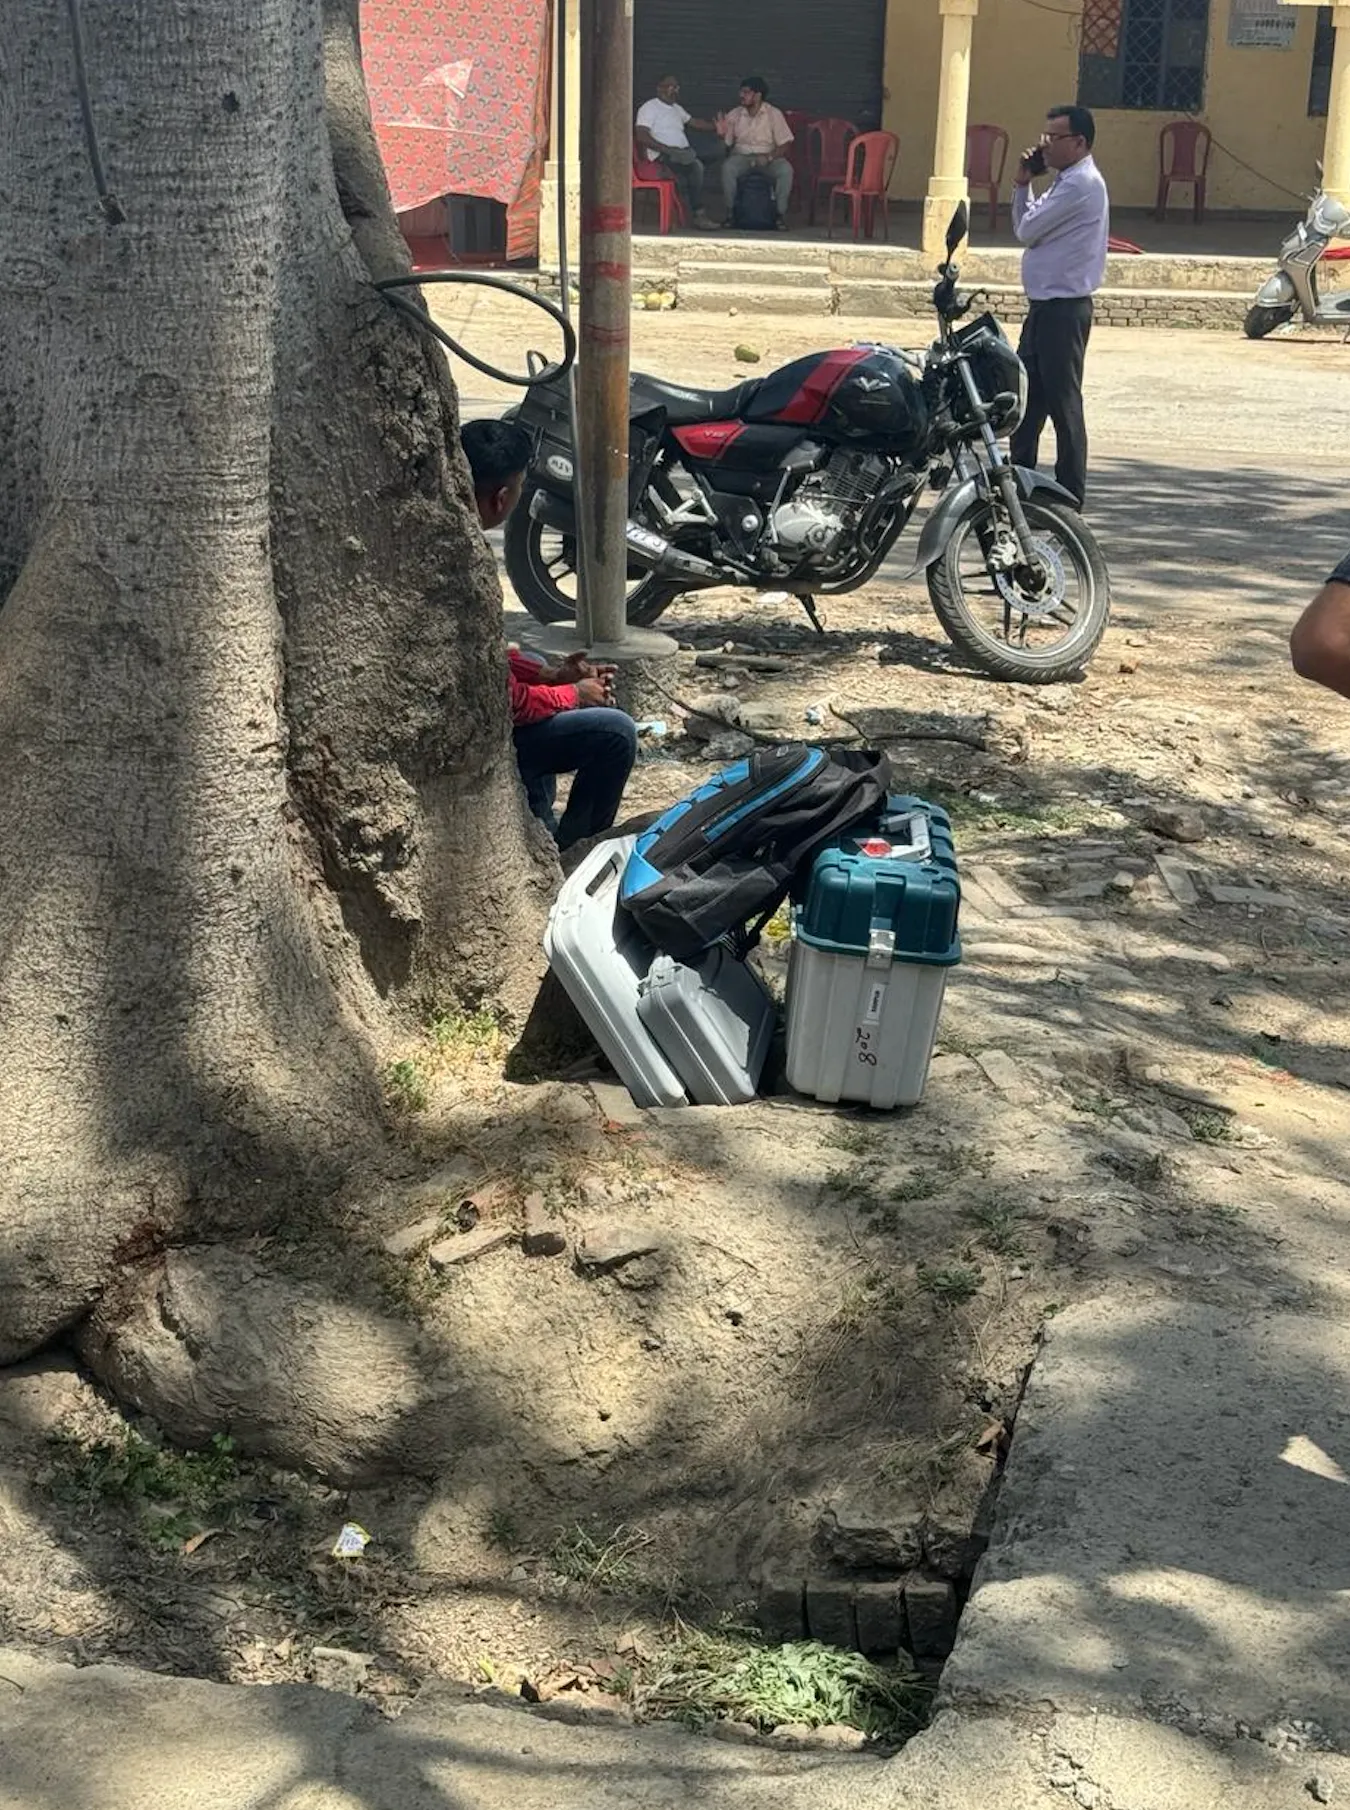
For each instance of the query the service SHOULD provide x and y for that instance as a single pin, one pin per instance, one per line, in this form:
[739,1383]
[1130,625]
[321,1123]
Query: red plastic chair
[871,164]
[798,152]
[1124,248]
[986,159]
[650,178]
[1183,156]
[829,141]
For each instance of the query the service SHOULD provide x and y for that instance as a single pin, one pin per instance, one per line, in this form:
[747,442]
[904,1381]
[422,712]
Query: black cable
[112,207]
[417,311]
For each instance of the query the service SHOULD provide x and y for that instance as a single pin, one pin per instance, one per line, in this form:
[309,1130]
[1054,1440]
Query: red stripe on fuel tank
[813,398]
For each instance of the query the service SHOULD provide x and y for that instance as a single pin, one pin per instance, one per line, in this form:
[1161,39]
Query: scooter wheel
[1261,321]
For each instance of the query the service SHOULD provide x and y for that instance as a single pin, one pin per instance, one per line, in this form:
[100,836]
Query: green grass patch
[172,1495]
[612,1563]
[734,1676]
[1000,1227]
[951,1283]
[407,1086]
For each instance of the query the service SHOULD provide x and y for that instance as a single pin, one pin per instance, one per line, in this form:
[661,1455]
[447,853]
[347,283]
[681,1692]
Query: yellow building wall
[1025,58]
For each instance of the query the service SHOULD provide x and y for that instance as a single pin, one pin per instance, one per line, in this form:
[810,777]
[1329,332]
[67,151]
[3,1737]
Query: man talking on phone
[1064,230]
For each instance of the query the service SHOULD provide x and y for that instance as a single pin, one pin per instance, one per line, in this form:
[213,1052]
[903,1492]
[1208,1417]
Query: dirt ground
[1142,1085]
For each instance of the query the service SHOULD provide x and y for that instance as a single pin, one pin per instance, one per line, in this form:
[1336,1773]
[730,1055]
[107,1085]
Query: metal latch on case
[880,948]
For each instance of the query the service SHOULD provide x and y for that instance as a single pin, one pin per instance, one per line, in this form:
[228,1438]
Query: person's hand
[572,669]
[720,121]
[1026,166]
[591,692]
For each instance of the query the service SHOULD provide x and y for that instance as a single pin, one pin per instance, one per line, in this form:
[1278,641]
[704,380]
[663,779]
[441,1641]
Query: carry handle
[912,827]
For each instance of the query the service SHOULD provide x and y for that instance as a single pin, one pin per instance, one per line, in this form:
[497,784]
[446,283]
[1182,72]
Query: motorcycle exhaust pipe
[650,551]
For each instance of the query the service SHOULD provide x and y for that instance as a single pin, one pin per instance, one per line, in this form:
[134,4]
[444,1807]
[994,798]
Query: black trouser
[1053,346]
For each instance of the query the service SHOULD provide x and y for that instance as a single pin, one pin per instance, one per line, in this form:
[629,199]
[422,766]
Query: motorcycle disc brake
[1043,607]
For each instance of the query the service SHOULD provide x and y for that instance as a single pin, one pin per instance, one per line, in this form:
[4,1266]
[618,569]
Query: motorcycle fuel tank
[858,393]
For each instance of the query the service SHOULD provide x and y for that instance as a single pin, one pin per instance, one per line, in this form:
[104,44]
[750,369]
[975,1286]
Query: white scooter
[1292,289]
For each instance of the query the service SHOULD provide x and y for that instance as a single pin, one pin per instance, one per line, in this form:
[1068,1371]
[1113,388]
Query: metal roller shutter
[822,56]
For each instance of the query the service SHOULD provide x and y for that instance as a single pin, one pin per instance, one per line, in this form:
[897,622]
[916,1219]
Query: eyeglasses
[1049,138]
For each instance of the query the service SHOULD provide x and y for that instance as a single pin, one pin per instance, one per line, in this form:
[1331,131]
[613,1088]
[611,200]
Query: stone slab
[1161,1538]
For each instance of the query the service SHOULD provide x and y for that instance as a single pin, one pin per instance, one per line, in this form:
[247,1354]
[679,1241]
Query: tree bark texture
[257,800]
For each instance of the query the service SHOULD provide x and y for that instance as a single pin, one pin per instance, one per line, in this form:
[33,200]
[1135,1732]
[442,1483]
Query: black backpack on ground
[756,206]
[729,852]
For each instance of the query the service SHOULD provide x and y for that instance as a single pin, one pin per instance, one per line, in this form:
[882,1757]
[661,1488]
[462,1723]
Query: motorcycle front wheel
[1262,320]
[1035,628]
[542,566]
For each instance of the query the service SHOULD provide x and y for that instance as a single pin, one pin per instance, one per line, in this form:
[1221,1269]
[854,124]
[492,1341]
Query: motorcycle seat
[686,407]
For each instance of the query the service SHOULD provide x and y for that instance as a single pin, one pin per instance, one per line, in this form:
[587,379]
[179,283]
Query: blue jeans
[599,746]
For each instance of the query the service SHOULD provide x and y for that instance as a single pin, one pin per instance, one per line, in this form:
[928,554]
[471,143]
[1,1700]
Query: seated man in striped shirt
[563,715]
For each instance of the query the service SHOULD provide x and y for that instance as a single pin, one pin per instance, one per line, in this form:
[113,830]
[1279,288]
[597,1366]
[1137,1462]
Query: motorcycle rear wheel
[960,586]
[542,566]
[1262,320]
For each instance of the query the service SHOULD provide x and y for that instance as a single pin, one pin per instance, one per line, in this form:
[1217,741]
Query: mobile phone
[1036,161]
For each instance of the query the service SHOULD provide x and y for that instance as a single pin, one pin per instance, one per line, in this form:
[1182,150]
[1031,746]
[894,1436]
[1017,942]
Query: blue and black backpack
[717,865]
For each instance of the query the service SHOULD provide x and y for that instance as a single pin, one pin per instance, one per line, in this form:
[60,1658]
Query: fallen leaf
[200,1539]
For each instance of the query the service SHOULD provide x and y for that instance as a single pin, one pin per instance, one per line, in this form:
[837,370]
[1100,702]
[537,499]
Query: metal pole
[606,144]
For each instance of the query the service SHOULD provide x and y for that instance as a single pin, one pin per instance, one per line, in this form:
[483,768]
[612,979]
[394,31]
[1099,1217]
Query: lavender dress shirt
[1065,232]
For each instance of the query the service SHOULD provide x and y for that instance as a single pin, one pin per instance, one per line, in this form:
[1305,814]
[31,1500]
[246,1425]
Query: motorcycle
[803,481]
[1293,289]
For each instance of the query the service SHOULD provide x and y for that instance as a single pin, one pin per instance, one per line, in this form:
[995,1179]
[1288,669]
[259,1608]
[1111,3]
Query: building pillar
[947,184]
[563,160]
[1336,155]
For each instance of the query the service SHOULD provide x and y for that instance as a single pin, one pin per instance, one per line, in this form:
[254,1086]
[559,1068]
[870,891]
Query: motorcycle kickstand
[808,603]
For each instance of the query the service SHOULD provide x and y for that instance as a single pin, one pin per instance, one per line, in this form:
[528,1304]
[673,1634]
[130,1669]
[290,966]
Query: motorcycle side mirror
[958,228]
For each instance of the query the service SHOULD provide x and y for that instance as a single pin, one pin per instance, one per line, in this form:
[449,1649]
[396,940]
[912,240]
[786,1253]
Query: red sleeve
[530,701]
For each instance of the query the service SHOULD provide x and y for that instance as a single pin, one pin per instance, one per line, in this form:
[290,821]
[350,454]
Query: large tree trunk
[256,797]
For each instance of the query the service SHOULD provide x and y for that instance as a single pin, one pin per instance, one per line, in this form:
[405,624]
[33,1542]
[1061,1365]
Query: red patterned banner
[458,91]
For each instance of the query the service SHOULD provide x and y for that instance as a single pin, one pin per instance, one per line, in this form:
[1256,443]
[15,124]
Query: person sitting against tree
[563,715]
[756,135]
[662,133]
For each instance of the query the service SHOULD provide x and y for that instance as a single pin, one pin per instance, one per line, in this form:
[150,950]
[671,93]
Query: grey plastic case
[714,1022]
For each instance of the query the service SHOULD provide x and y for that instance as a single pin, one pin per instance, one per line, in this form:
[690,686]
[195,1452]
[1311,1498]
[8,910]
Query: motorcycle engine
[809,527]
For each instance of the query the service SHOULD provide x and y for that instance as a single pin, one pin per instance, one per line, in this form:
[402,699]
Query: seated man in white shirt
[662,134]
[756,136]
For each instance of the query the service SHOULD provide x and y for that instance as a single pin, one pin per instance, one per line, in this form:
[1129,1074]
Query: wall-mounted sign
[1261,24]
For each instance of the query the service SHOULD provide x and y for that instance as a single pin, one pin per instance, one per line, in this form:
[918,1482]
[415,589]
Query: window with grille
[1319,85]
[1143,54]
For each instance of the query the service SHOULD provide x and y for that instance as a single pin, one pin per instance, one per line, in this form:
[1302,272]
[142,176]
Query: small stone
[446,1186]
[452,1252]
[1085,889]
[618,1105]
[606,1248]
[930,1613]
[1002,1071]
[1063,1774]
[732,1731]
[705,714]
[1179,823]
[542,1236]
[829,1613]
[340,1669]
[1177,879]
[1086,1794]
[729,747]
[413,1237]
[782,1609]
[879,1612]
[1129,666]
[1251,895]
[863,1538]
[1321,1787]
[830,1737]
[1122,882]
